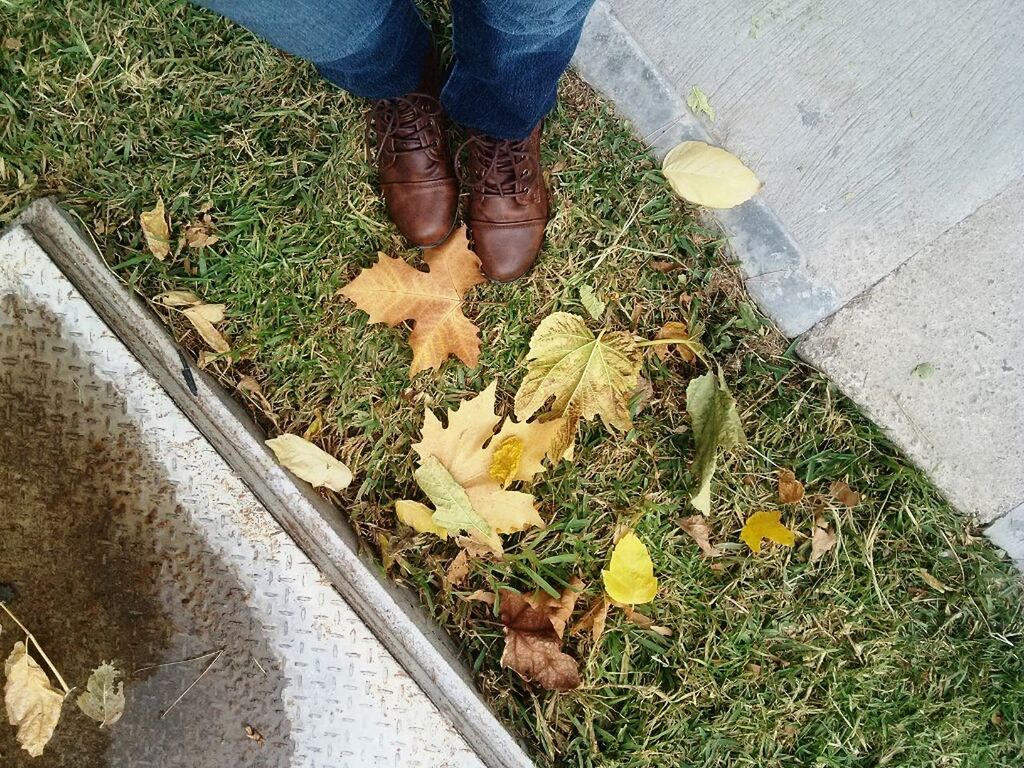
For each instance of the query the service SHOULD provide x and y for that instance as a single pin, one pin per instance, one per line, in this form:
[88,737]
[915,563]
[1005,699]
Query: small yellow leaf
[766,525]
[177,299]
[202,317]
[931,581]
[420,517]
[709,176]
[33,705]
[630,577]
[156,231]
[315,466]
[506,460]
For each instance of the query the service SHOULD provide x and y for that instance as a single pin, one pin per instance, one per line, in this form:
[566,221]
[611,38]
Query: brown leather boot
[413,162]
[508,203]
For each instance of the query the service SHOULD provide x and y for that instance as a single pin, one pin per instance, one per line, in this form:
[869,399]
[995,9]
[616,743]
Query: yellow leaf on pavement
[587,375]
[312,464]
[393,292]
[766,525]
[629,577]
[103,699]
[710,176]
[156,231]
[33,705]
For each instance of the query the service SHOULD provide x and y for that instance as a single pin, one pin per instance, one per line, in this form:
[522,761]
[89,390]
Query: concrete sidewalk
[889,236]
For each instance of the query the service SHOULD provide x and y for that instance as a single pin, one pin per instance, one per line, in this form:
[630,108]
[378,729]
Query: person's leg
[376,51]
[509,55]
[381,51]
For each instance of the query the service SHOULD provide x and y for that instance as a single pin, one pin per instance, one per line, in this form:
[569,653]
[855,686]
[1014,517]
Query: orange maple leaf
[392,292]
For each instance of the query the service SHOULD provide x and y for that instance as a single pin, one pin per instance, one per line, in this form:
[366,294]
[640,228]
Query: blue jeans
[509,54]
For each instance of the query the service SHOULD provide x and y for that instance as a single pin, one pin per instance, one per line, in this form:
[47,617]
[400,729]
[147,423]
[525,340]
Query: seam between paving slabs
[392,613]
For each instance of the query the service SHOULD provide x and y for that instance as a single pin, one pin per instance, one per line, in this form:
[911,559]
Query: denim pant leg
[509,55]
[375,50]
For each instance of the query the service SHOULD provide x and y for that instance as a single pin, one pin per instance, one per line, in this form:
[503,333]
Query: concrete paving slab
[933,354]
[1007,533]
[875,127]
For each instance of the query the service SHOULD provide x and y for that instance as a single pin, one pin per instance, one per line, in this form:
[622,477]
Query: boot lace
[501,167]
[404,124]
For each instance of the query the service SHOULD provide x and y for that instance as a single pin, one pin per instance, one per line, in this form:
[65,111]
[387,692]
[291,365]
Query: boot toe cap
[507,251]
[424,212]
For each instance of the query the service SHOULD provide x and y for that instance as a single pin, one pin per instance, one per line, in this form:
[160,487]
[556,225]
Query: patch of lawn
[852,661]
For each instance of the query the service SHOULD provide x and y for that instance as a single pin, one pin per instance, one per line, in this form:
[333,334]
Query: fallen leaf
[646,622]
[307,461]
[156,231]
[419,516]
[697,528]
[533,646]
[253,734]
[822,539]
[590,301]
[594,620]
[468,450]
[629,577]
[716,425]
[392,292]
[12,44]
[699,103]
[453,509]
[664,266]
[709,176]
[923,370]
[766,525]
[679,334]
[931,581]
[202,317]
[199,234]
[250,385]
[559,610]
[177,299]
[33,705]
[587,375]
[103,700]
[481,596]
[791,490]
[458,569]
[844,494]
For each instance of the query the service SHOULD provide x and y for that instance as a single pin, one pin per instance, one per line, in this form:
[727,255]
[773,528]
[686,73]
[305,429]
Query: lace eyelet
[526,173]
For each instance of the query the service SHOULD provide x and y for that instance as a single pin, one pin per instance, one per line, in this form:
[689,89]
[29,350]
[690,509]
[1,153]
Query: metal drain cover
[125,535]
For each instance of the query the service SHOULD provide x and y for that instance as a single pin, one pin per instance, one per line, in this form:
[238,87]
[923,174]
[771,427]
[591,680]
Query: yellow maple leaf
[393,292]
[766,525]
[455,470]
[588,375]
[629,577]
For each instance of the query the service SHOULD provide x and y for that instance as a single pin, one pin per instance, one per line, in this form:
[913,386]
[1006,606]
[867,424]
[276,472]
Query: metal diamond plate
[125,535]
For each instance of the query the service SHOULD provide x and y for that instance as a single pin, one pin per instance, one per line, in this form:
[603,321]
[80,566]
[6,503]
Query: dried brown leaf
[844,494]
[533,647]
[822,538]
[393,292]
[674,330]
[645,622]
[202,317]
[791,490]
[559,610]
[594,619]
[458,569]
[697,528]
[156,231]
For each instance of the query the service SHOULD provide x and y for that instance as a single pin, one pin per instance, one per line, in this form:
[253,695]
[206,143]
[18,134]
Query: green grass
[852,661]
